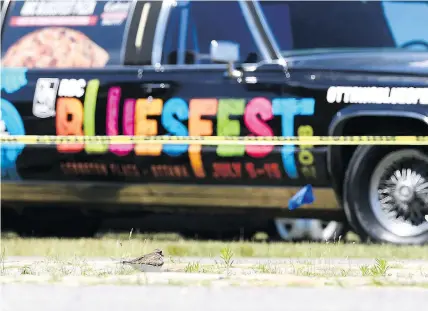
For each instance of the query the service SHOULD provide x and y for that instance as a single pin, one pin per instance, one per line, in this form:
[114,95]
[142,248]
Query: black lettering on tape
[59,140]
[421,138]
[9,139]
[40,140]
[50,140]
[215,140]
[71,139]
[45,140]
[101,139]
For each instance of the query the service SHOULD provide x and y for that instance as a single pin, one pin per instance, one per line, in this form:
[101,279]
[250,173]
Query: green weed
[267,268]
[192,267]
[380,268]
[365,270]
[226,255]
[26,270]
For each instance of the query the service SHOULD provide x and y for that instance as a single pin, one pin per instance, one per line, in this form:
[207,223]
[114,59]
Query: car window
[64,34]
[301,25]
[193,25]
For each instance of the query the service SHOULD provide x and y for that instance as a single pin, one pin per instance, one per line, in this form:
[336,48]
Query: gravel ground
[250,260]
[259,272]
[37,283]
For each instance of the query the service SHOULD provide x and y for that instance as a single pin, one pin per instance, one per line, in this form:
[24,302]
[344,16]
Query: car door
[207,101]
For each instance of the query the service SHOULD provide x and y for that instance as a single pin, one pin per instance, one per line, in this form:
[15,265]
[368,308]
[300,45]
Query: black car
[227,68]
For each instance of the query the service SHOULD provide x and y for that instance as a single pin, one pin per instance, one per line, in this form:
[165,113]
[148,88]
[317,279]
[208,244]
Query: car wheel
[386,194]
[322,230]
[312,229]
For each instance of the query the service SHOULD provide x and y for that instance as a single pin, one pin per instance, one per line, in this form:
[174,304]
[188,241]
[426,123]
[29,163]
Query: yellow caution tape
[216,140]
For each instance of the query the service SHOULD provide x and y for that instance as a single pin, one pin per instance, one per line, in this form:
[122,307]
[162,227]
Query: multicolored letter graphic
[190,116]
[13,79]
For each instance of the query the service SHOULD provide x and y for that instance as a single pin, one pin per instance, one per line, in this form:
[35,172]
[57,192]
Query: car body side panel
[196,103]
[299,98]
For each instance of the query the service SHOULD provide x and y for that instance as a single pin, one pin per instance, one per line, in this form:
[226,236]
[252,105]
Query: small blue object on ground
[304,196]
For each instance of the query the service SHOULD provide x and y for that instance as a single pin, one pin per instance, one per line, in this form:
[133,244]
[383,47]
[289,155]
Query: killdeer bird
[152,262]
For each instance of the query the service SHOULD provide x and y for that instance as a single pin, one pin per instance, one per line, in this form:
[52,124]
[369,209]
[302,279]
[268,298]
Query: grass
[380,268]
[193,267]
[306,273]
[226,255]
[65,259]
[125,246]
[267,268]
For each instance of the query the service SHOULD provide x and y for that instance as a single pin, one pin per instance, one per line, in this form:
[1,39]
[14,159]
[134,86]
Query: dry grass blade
[134,244]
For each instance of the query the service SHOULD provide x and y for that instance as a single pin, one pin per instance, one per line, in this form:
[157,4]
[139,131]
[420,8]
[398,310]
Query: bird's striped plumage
[154,259]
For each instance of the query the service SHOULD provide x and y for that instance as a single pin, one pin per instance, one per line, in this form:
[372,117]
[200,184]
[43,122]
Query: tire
[373,220]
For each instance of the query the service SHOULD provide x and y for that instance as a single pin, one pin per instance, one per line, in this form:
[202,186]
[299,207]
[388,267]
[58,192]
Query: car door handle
[150,87]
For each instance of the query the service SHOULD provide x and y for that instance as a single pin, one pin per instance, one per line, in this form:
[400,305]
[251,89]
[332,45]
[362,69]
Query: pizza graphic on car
[55,47]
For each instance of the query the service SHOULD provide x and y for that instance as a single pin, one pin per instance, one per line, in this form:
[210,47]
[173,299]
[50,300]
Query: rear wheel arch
[369,122]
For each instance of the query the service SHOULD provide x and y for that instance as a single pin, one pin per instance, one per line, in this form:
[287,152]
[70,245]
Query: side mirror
[226,52]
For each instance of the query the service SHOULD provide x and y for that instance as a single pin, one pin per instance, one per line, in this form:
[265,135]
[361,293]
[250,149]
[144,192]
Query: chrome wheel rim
[315,229]
[399,192]
[326,230]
